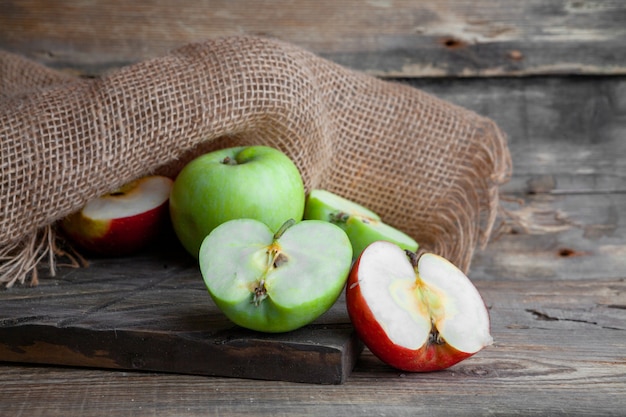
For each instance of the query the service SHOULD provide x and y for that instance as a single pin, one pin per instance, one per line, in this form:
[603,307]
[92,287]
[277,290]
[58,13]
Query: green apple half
[257,182]
[275,282]
[362,225]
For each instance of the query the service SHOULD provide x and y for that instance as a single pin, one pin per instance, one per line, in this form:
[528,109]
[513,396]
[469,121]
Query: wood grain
[568,191]
[551,73]
[153,312]
[559,350]
[569,175]
[569,128]
[385,37]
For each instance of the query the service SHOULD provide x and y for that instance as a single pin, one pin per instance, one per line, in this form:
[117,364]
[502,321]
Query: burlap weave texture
[431,168]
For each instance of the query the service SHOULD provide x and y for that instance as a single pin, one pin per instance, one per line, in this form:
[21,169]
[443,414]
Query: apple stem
[275,258]
[229,161]
[338,217]
[284,228]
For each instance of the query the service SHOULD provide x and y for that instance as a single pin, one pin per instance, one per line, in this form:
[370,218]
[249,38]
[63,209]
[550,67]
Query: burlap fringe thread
[429,167]
[22,259]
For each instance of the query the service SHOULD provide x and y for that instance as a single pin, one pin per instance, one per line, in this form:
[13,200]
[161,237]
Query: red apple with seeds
[415,314]
[123,221]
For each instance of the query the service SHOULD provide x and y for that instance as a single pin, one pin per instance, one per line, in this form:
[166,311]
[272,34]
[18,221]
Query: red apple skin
[430,357]
[117,237]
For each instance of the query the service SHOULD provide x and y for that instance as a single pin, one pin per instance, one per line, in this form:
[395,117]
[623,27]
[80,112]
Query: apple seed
[343,217]
[275,258]
[412,257]
[338,217]
[123,189]
[260,293]
[434,338]
[280,259]
[429,300]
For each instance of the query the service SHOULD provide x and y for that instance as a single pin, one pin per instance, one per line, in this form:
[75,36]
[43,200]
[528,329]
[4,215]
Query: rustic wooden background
[391,38]
[551,73]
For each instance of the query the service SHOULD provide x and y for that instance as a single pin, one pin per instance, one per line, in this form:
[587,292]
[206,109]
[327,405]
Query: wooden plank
[152,312]
[385,37]
[566,137]
[559,350]
[571,129]
[568,237]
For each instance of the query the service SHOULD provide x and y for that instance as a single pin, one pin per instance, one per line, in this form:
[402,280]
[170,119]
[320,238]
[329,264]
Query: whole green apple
[257,182]
[275,282]
[361,224]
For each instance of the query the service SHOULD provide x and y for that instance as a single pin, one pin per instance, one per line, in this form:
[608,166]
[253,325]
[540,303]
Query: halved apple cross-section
[122,221]
[275,281]
[362,225]
[415,314]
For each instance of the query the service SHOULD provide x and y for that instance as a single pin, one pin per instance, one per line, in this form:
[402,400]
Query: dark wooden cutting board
[152,312]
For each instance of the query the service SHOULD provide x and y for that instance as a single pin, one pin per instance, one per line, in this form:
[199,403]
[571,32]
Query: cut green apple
[415,314]
[275,282]
[123,221]
[362,225]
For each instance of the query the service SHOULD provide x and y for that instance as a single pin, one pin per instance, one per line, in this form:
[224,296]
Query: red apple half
[416,315]
[123,221]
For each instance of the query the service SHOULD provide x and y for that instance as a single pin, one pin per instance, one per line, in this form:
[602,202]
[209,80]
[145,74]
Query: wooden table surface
[559,350]
[550,73]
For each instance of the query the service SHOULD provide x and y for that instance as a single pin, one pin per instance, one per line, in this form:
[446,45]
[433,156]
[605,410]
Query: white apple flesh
[123,221]
[275,282]
[415,315]
[361,224]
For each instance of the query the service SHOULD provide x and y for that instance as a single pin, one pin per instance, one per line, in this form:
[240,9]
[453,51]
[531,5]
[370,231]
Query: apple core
[416,314]
[275,282]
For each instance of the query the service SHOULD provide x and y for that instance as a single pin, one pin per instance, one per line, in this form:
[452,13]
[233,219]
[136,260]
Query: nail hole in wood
[452,43]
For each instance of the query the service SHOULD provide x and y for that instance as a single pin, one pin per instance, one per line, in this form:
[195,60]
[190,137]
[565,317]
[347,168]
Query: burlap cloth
[428,167]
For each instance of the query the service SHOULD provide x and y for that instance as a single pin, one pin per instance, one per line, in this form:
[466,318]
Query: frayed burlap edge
[467,200]
[465,221]
[20,261]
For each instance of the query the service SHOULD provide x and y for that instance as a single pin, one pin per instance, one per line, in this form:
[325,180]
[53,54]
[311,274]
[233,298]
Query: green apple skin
[298,285]
[362,232]
[324,205]
[259,182]
[362,225]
